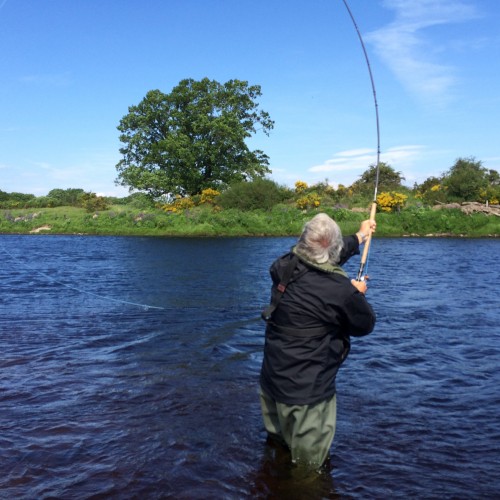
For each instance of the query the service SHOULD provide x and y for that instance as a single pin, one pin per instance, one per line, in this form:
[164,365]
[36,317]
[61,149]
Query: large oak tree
[193,138]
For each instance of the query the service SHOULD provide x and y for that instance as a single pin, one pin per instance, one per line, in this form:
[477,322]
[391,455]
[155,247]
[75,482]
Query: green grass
[282,220]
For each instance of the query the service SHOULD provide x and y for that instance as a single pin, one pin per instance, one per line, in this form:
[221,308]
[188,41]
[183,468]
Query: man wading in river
[314,310]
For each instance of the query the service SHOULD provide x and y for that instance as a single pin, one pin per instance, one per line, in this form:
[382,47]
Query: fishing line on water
[77,289]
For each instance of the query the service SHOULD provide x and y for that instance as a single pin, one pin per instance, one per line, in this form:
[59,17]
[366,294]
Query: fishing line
[364,258]
[77,289]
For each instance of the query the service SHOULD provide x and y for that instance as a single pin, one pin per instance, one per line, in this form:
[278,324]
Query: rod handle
[366,249]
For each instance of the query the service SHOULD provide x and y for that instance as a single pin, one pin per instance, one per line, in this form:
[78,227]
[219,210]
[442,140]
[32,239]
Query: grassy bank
[203,221]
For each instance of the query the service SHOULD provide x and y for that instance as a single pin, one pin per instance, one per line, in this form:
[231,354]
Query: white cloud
[347,166]
[412,55]
[342,164]
[401,157]
[361,159]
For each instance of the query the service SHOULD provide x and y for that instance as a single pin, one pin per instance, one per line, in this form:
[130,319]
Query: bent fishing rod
[373,210]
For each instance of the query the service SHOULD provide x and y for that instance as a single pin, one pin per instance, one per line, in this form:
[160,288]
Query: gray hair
[321,240]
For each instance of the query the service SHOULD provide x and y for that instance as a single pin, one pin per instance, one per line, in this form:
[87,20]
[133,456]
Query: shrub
[260,193]
[92,203]
[139,201]
[179,205]
[208,196]
[312,200]
[300,187]
[390,202]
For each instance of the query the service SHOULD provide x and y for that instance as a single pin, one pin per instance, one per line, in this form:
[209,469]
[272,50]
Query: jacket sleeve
[351,247]
[360,314]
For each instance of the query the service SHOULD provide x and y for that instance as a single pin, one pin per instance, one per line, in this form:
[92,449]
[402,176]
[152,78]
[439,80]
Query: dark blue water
[129,369]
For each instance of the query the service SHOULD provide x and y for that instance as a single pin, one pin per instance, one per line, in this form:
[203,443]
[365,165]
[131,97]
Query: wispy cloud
[347,166]
[410,53]
[401,157]
[354,159]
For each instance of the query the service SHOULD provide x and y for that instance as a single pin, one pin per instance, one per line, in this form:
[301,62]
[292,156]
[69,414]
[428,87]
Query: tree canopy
[193,138]
[388,179]
[68,197]
[466,179]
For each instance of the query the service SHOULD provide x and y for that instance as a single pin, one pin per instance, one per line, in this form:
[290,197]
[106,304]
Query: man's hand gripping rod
[366,249]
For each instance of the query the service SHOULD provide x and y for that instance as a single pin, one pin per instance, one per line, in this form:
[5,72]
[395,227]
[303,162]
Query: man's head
[321,240]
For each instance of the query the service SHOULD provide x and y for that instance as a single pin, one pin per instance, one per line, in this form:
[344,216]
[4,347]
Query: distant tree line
[72,197]
[465,181]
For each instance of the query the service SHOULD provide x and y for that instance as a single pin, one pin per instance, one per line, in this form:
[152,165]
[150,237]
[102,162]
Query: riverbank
[206,222]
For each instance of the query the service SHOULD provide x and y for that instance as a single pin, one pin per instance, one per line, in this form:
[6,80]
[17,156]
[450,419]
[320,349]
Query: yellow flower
[300,186]
[387,202]
[209,195]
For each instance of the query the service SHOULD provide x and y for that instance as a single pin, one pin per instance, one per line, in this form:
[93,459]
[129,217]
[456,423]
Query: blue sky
[69,70]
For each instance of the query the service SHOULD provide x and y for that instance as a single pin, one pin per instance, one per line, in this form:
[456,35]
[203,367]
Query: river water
[129,369]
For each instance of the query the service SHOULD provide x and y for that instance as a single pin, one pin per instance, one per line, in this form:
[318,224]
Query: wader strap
[287,275]
[280,289]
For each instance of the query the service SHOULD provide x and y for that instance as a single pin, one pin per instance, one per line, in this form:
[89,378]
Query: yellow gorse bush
[209,195]
[489,195]
[312,200]
[390,201]
[300,186]
[178,205]
[302,203]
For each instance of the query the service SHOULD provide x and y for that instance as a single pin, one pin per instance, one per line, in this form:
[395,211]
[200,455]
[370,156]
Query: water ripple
[104,399]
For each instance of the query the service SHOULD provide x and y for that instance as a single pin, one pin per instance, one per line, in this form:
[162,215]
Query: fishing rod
[373,210]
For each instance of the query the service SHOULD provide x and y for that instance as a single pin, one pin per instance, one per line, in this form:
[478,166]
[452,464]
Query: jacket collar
[326,268]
